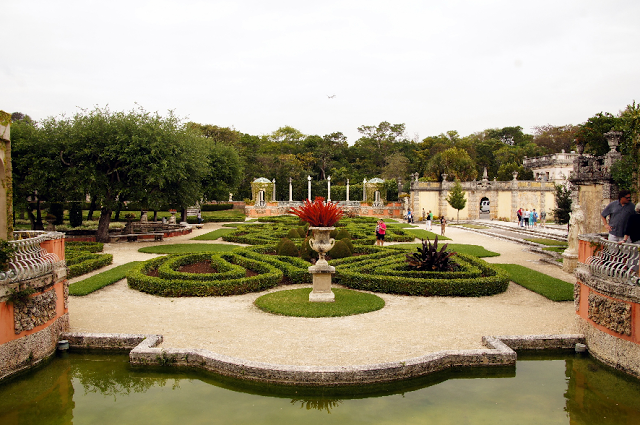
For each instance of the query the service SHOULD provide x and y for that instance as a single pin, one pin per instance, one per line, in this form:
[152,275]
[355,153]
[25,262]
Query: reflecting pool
[105,389]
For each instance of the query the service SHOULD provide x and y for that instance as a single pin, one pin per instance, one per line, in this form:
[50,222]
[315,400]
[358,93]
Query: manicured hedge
[360,275]
[184,285]
[294,268]
[83,257]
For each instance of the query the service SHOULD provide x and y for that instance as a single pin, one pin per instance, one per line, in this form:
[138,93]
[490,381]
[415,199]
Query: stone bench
[133,237]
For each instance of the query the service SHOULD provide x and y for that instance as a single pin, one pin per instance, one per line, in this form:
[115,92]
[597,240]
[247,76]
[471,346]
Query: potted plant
[321,217]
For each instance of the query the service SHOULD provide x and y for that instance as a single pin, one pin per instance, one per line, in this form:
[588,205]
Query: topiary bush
[57,209]
[306,253]
[75,214]
[288,248]
[339,250]
[84,257]
[294,234]
[343,233]
[347,241]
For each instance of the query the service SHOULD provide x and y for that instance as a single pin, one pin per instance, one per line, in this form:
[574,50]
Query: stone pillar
[347,190]
[364,190]
[576,227]
[329,189]
[309,188]
[290,191]
[273,197]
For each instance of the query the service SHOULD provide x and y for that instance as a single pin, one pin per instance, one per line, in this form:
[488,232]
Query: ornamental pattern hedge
[372,268]
[84,257]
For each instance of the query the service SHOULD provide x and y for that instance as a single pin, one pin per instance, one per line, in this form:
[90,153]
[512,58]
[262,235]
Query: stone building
[552,168]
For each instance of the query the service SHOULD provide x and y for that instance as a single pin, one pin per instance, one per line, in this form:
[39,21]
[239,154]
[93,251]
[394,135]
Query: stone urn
[322,271]
[172,219]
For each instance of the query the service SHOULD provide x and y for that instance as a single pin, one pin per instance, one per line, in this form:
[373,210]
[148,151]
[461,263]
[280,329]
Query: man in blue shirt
[618,212]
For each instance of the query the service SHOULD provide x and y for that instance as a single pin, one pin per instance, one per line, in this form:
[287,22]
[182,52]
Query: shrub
[347,241]
[75,214]
[343,233]
[83,257]
[294,234]
[339,250]
[288,248]
[302,231]
[57,209]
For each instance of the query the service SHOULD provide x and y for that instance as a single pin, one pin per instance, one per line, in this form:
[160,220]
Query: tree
[223,172]
[454,162]
[563,204]
[456,198]
[134,155]
[377,142]
[555,138]
[591,133]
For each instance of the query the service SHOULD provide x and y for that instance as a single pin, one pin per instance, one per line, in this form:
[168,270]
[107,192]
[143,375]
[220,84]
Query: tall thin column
[290,191]
[309,188]
[329,189]
[364,190]
[273,198]
[347,190]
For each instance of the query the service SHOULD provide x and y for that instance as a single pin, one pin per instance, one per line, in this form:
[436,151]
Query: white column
[309,188]
[329,189]
[347,189]
[273,198]
[364,190]
[290,191]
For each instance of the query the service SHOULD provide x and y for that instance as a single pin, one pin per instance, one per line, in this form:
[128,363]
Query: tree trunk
[184,214]
[155,215]
[92,208]
[36,221]
[102,235]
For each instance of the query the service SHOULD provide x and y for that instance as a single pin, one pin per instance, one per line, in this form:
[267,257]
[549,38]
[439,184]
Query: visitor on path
[632,230]
[543,218]
[533,218]
[443,225]
[525,217]
[429,220]
[618,212]
[423,214]
[381,230]
[519,215]
[409,217]
[199,217]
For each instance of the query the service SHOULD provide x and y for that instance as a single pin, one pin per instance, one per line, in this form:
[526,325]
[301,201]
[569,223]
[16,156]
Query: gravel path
[406,327]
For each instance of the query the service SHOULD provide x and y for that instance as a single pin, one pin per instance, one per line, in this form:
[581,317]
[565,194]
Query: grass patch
[548,242]
[424,234]
[558,249]
[540,283]
[185,248]
[212,236]
[471,226]
[99,281]
[295,302]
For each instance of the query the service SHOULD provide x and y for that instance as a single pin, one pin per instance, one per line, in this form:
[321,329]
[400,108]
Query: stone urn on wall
[321,217]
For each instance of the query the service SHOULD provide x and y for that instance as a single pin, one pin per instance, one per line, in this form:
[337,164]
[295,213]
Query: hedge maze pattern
[372,268]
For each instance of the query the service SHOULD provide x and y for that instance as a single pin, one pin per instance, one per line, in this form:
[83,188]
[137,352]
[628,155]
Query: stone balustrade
[31,258]
[612,259]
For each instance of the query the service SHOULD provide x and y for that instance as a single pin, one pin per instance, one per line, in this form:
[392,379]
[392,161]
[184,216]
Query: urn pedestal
[322,272]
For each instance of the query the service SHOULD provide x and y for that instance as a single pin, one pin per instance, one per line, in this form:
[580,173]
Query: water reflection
[106,389]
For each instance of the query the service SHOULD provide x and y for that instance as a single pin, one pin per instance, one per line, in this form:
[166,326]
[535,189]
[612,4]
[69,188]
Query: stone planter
[322,272]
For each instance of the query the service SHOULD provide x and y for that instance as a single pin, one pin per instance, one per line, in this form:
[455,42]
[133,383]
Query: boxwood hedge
[83,257]
[370,274]
[184,285]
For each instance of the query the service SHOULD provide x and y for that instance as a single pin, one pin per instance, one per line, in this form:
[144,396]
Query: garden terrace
[84,257]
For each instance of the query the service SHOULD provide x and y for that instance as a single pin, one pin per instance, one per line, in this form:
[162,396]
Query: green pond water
[103,389]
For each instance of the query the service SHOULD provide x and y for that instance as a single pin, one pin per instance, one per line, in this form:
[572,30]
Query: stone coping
[144,351]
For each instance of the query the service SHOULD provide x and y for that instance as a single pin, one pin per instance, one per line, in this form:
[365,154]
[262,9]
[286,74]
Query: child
[443,224]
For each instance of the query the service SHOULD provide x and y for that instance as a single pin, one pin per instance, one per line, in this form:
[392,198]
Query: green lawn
[547,286]
[295,302]
[548,242]
[212,236]
[185,248]
[424,234]
[99,281]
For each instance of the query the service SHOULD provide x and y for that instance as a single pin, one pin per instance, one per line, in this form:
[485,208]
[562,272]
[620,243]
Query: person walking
[618,212]
[443,225]
[429,219]
[525,217]
[533,218]
[543,218]
[519,215]
[381,230]
[632,230]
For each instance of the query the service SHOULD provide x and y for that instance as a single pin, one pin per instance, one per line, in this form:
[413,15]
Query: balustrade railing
[615,260]
[30,260]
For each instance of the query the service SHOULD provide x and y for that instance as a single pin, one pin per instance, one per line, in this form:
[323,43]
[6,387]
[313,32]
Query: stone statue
[576,227]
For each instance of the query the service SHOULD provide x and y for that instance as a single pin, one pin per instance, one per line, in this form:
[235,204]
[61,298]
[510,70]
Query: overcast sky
[260,65]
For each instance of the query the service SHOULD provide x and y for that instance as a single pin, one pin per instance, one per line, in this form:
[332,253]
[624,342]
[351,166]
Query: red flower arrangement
[318,213]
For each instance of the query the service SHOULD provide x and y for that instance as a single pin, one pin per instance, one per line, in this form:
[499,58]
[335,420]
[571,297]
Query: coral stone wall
[608,312]
[30,327]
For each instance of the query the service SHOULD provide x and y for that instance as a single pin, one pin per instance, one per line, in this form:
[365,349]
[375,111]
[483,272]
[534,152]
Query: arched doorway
[485,209]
